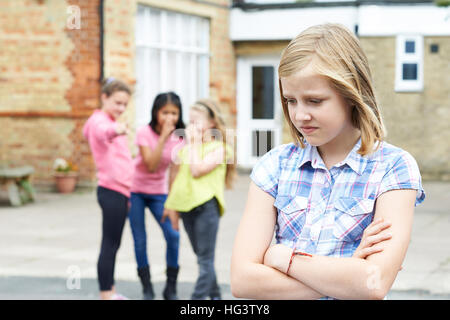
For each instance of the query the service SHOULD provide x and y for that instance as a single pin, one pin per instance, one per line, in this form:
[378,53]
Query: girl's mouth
[308,130]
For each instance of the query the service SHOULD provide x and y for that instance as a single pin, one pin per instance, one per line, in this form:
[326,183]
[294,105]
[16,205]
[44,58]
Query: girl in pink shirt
[108,142]
[157,143]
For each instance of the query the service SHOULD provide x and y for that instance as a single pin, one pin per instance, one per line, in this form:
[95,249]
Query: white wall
[393,20]
[285,24]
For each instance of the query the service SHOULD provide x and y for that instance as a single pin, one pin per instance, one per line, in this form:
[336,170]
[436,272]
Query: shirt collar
[311,154]
[354,160]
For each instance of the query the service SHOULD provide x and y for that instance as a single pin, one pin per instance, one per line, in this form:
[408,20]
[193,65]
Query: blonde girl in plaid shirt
[339,193]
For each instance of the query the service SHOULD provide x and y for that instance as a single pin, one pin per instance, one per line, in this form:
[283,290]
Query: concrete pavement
[49,249]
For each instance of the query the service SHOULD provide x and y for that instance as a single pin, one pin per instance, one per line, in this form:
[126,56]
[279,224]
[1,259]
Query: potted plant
[66,175]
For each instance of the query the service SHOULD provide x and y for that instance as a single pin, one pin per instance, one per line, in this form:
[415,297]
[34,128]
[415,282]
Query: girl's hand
[173,215]
[166,129]
[121,128]
[193,134]
[277,257]
[372,239]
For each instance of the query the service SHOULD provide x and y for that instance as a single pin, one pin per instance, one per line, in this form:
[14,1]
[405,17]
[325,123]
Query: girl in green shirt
[205,167]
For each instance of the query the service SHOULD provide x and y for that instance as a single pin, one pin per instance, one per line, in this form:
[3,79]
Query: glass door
[259,111]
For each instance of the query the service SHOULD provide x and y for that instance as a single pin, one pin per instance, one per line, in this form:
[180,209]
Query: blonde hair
[336,54]
[210,108]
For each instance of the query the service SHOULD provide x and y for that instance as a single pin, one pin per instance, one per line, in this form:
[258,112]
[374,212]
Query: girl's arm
[172,214]
[353,278]
[173,171]
[250,278]
[200,167]
[105,131]
[152,158]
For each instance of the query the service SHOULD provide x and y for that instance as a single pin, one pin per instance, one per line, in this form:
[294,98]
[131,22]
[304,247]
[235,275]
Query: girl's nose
[302,115]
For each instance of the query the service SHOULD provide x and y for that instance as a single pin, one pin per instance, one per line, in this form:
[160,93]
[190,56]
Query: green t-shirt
[188,192]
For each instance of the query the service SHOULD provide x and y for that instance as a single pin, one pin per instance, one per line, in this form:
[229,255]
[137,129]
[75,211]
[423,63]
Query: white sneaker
[118,296]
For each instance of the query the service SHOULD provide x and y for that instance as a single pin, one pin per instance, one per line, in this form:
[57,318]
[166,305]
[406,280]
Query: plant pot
[66,181]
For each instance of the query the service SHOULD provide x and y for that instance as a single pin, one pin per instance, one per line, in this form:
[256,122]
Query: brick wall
[49,83]
[119,51]
[34,49]
[84,94]
[223,65]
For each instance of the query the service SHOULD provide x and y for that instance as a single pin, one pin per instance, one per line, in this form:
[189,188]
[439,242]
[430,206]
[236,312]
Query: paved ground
[43,246]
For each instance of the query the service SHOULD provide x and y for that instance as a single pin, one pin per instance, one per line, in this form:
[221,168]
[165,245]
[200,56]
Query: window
[263,90]
[410,46]
[262,142]
[409,64]
[434,48]
[172,55]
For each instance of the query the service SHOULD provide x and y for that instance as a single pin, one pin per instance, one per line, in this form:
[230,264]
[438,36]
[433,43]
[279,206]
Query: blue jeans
[155,202]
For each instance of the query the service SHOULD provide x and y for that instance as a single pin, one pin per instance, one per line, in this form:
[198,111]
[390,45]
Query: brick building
[53,54]
[408,46]
[49,83]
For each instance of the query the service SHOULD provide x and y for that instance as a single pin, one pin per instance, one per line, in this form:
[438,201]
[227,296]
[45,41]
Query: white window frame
[403,57]
[245,122]
[195,82]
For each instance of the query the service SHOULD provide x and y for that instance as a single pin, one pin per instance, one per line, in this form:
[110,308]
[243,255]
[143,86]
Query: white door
[259,121]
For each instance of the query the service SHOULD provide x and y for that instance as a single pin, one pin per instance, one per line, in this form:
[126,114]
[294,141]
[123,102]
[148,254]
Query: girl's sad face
[316,109]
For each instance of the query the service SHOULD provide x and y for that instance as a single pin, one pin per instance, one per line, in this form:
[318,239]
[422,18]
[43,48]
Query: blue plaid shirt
[323,211]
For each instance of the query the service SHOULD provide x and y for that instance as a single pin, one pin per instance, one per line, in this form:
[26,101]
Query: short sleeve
[142,139]
[404,174]
[266,172]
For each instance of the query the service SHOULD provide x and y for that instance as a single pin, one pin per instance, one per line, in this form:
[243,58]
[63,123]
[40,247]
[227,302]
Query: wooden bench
[17,181]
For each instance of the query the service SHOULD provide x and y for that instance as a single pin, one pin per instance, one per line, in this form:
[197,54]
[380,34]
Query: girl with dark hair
[157,141]
[109,145]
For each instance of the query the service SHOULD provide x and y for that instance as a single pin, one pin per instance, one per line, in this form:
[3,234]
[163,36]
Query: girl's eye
[290,101]
[315,101]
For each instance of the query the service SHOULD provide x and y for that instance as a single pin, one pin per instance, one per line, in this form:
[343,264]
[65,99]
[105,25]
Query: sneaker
[118,296]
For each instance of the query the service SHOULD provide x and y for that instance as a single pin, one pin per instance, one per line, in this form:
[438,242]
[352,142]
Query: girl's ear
[103,97]
[212,124]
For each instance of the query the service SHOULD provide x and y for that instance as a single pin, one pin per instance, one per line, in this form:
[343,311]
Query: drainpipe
[101,15]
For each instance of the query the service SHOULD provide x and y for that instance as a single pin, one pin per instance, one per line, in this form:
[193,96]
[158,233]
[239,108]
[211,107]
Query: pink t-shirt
[156,182]
[111,153]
